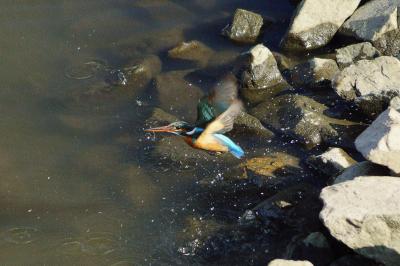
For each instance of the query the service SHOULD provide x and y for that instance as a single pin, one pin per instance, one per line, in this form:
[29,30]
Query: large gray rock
[389,43]
[370,83]
[350,54]
[380,142]
[372,20]
[315,22]
[365,168]
[281,262]
[316,72]
[261,70]
[245,26]
[331,162]
[365,215]
[303,118]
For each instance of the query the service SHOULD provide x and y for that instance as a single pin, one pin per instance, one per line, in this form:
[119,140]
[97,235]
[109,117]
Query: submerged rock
[194,51]
[176,95]
[365,168]
[314,73]
[370,83]
[365,215]
[350,54]
[261,70]
[380,143]
[331,162]
[245,27]
[139,73]
[303,118]
[278,168]
[251,125]
[281,262]
[372,20]
[160,117]
[315,22]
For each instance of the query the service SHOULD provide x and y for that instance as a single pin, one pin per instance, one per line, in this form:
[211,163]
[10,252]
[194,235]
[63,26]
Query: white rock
[331,162]
[380,142]
[372,20]
[371,83]
[348,55]
[280,262]
[365,215]
[262,71]
[315,22]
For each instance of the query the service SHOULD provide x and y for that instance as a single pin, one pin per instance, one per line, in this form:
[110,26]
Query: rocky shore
[330,196]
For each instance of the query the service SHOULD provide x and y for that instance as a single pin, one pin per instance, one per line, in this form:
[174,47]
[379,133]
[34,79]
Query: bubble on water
[21,235]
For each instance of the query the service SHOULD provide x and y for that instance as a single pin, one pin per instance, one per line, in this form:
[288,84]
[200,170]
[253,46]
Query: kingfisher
[216,113]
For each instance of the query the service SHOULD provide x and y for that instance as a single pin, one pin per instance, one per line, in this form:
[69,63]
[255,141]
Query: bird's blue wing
[233,147]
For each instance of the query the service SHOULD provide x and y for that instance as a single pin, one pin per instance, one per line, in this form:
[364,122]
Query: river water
[76,185]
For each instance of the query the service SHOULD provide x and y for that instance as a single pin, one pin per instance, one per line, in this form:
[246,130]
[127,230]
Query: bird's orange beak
[168,129]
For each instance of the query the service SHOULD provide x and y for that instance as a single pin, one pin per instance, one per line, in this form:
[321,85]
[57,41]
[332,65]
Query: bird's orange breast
[209,144]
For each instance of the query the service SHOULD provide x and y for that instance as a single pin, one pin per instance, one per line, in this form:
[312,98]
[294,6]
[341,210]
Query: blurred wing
[224,122]
[224,93]
[218,101]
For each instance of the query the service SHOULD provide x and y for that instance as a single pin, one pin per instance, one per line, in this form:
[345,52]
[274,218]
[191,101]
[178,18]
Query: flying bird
[216,113]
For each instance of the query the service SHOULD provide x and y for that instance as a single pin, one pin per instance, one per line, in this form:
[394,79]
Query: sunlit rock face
[315,22]
[245,26]
[350,54]
[364,214]
[380,142]
[370,83]
[372,20]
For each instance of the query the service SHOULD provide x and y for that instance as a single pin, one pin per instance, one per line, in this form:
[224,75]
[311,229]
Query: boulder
[350,54]
[194,51]
[303,118]
[370,83]
[380,142]
[314,73]
[365,168]
[364,214]
[281,262]
[260,69]
[389,43]
[245,27]
[331,162]
[372,20]
[177,95]
[315,22]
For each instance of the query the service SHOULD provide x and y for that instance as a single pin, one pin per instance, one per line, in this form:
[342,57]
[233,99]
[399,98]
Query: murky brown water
[76,185]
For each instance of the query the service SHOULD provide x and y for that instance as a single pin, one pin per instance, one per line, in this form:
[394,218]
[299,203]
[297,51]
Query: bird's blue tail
[233,147]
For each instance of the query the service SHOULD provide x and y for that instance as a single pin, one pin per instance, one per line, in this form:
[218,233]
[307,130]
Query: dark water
[77,187]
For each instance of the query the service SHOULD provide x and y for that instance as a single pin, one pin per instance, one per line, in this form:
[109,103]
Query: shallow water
[77,184]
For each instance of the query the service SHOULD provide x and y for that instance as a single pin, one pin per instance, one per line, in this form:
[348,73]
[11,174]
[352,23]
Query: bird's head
[178,128]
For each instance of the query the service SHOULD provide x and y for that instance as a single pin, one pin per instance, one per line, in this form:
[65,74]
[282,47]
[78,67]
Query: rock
[364,215]
[284,62]
[389,43]
[249,124]
[370,83]
[395,103]
[194,51]
[380,142]
[139,73]
[353,260]
[350,54]
[245,26]
[331,162]
[176,95]
[310,29]
[277,168]
[316,239]
[314,73]
[303,118]
[281,262]
[160,117]
[261,70]
[372,20]
[365,168]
